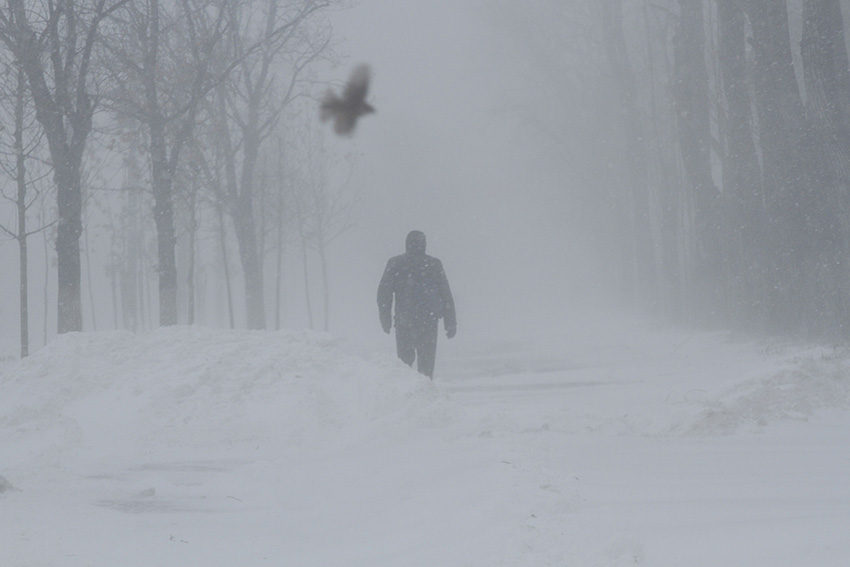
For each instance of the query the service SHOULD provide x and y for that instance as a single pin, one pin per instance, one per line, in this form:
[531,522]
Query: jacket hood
[415,242]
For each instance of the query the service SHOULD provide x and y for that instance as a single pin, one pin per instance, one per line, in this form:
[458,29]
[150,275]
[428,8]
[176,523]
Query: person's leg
[426,347]
[405,345]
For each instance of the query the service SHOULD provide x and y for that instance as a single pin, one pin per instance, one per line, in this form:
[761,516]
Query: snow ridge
[808,385]
[197,389]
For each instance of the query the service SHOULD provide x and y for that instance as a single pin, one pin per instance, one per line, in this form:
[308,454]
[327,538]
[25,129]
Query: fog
[577,165]
[567,161]
[445,153]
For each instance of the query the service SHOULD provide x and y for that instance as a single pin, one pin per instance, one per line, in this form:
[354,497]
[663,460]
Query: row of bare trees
[709,141]
[200,103]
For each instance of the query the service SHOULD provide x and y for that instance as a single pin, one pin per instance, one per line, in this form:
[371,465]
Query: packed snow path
[200,447]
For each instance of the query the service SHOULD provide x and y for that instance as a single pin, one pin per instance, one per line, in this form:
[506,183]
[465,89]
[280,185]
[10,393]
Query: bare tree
[24,146]
[323,206]
[827,81]
[267,78]
[691,89]
[743,211]
[163,64]
[782,128]
[749,198]
[207,166]
[127,221]
[54,42]
[281,215]
[644,256]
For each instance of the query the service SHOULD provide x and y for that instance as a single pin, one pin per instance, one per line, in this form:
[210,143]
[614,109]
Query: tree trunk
[162,178]
[167,263]
[90,283]
[690,88]
[326,288]
[643,254]
[304,264]
[252,268]
[45,291]
[664,168]
[307,302]
[788,203]
[246,230]
[65,109]
[68,232]
[222,240]
[827,77]
[21,179]
[132,273]
[278,311]
[190,275]
[742,195]
[240,196]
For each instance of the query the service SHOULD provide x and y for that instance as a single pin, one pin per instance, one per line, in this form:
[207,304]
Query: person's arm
[449,317]
[385,297]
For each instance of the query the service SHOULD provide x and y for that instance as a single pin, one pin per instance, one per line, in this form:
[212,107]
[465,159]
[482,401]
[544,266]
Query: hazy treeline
[175,123]
[708,144]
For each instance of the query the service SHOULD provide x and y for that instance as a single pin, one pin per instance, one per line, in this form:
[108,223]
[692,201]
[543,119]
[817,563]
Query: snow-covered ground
[199,447]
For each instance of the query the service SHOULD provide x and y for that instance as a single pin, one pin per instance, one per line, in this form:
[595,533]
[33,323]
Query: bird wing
[358,85]
[330,106]
[344,123]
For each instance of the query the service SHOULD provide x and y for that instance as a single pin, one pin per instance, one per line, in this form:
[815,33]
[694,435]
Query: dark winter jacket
[419,285]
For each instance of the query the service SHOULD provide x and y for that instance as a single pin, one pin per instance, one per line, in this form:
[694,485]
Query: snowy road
[645,449]
[642,456]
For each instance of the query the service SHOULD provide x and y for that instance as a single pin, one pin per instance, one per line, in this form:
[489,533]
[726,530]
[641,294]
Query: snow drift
[198,390]
[803,388]
[192,446]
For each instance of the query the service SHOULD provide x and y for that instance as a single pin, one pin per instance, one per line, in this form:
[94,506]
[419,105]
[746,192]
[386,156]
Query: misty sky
[444,154]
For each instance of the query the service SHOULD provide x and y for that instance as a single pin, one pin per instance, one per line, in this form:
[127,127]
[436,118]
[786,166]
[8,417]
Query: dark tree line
[187,97]
[715,142]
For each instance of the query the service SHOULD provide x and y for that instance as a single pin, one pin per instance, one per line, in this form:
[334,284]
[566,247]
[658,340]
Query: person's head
[416,241]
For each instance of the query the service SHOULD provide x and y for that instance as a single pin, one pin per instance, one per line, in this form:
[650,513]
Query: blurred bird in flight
[345,110]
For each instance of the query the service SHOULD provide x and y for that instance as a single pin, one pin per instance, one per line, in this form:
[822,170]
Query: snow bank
[197,390]
[806,385]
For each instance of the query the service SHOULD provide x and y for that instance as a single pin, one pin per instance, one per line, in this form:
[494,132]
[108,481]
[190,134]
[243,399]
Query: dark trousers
[418,341]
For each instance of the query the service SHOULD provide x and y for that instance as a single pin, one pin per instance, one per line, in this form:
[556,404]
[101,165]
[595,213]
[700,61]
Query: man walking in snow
[418,284]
